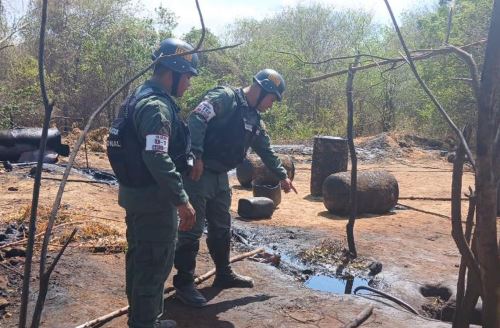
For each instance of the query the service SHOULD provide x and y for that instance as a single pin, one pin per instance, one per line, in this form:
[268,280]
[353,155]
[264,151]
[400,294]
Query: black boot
[189,295]
[225,277]
[185,261]
[231,279]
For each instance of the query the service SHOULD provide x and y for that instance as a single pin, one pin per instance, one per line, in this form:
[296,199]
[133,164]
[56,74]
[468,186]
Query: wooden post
[329,156]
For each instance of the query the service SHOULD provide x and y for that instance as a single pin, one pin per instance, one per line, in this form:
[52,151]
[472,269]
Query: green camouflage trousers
[150,255]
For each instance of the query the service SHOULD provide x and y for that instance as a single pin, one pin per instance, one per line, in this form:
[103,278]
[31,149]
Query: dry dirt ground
[415,249]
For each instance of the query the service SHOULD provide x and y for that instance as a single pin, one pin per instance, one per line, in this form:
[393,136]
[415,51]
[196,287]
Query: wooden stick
[426,212]
[197,281]
[360,318]
[11,269]
[22,241]
[78,180]
[429,198]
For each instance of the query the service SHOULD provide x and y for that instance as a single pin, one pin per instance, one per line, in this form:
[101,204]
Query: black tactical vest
[125,147]
[229,146]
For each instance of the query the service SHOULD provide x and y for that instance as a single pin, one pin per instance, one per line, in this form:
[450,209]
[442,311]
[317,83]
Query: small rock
[15,252]
[3,303]
[7,166]
[13,262]
[10,231]
[375,268]
[3,283]
[275,247]
[307,271]
[12,189]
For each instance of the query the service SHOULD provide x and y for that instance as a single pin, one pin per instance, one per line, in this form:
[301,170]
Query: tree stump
[377,192]
[253,168]
[329,156]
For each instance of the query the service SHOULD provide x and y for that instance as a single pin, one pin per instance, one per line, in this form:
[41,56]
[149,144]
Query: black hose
[389,297]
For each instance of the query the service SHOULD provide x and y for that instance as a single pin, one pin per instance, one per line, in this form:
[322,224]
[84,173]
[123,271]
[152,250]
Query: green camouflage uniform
[151,213]
[211,195]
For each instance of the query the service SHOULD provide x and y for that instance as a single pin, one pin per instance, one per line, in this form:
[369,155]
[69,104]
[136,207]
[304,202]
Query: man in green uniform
[149,149]
[223,126]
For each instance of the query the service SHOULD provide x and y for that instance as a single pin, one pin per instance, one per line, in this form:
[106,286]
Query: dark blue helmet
[180,64]
[271,81]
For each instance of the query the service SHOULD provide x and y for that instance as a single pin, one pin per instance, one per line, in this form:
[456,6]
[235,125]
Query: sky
[219,13]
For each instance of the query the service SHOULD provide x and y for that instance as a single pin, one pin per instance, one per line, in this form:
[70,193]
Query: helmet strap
[176,78]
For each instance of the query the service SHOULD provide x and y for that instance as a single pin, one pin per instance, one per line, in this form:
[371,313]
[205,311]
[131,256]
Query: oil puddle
[297,253]
[344,285]
[99,175]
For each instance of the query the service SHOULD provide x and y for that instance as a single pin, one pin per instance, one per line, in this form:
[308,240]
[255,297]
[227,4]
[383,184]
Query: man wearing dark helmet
[149,149]
[223,126]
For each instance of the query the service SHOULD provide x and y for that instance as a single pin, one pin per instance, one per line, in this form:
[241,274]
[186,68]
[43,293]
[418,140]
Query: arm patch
[206,110]
[157,143]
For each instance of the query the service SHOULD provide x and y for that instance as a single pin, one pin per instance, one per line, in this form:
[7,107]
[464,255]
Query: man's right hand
[197,170]
[187,216]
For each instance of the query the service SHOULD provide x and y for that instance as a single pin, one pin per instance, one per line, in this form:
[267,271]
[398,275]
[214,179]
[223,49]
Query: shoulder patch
[206,110]
[157,143]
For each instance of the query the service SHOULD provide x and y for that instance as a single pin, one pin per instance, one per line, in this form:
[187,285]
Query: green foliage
[94,46]
[20,97]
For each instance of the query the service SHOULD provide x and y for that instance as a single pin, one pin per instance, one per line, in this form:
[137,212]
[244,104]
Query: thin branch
[456,214]
[331,59]
[473,70]
[44,283]
[429,53]
[427,90]
[458,319]
[388,296]
[6,46]
[11,34]
[360,318]
[11,269]
[450,18]
[465,79]
[38,175]
[22,241]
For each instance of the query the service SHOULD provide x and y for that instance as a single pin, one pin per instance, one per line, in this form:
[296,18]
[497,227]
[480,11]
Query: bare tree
[480,257]
[48,105]
[353,197]
[488,173]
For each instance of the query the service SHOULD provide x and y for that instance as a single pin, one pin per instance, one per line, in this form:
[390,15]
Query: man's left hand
[287,185]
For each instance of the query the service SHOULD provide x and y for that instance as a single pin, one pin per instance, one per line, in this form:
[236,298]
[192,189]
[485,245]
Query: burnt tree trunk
[487,174]
[353,195]
[329,156]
